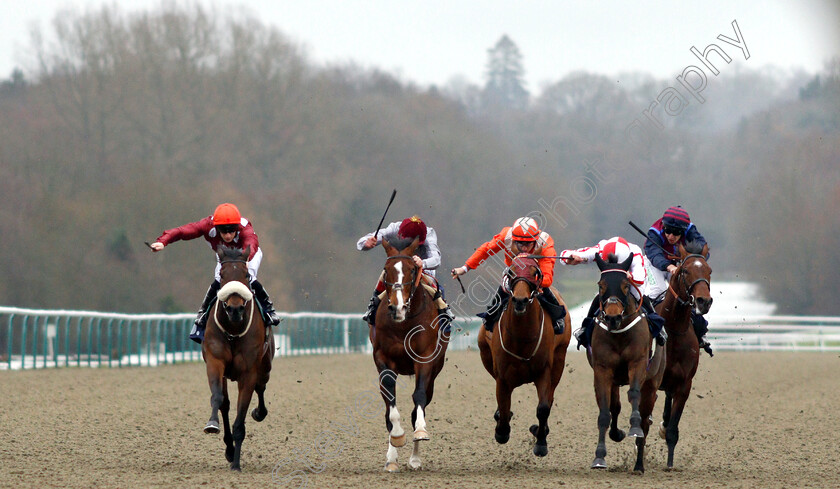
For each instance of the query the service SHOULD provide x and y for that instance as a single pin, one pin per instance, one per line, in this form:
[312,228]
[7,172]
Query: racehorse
[407,339]
[237,346]
[620,354]
[688,290]
[524,349]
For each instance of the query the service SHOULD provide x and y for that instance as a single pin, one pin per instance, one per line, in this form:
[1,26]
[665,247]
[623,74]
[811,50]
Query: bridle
[613,300]
[683,281]
[413,282]
[509,281]
[250,312]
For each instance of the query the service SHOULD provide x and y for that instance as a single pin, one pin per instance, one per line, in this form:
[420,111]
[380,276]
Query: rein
[219,324]
[536,348]
[415,283]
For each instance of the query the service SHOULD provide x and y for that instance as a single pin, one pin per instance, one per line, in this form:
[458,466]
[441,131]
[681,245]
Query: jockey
[426,257]
[523,237]
[622,249]
[225,227]
[673,229]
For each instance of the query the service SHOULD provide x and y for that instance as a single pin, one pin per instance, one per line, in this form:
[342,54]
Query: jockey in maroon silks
[673,229]
[426,257]
[225,227]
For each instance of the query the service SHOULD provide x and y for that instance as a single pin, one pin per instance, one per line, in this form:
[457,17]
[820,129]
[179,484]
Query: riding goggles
[227,228]
[674,231]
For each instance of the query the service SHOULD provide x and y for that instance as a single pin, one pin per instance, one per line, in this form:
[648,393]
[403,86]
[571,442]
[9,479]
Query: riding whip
[393,194]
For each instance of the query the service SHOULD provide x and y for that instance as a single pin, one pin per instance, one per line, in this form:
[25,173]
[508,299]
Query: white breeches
[253,266]
[657,280]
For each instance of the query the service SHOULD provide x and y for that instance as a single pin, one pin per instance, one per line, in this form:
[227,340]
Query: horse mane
[400,244]
[693,247]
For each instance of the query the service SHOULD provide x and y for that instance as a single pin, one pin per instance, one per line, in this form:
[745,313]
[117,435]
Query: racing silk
[637,266]
[504,241]
[656,256]
[428,251]
[205,228]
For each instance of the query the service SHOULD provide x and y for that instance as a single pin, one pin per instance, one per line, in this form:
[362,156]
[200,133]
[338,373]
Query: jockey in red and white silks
[619,247]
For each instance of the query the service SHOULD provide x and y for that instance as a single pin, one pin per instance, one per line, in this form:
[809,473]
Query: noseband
[688,287]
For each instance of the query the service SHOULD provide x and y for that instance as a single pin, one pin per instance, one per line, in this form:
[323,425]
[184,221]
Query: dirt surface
[753,420]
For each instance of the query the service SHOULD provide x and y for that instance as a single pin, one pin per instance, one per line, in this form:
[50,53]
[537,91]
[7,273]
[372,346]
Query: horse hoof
[392,467]
[662,430]
[534,428]
[237,468]
[421,435]
[617,435]
[398,441]
[639,470]
[212,427]
[540,450]
[414,463]
[229,455]
[257,415]
[599,463]
[636,432]
[502,438]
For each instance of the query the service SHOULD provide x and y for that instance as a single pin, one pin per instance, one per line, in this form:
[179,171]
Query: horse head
[613,288]
[523,278]
[402,276]
[691,281]
[234,293]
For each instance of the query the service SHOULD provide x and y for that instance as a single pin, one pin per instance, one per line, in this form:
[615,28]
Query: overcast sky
[431,41]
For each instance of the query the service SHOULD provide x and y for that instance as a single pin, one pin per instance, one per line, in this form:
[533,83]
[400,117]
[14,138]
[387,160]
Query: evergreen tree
[505,87]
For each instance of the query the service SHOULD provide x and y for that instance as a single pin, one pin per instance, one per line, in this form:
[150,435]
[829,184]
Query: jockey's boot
[583,335]
[373,305]
[197,332]
[495,309]
[554,309]
[445,316]
[701,327]
[265,303]
[656,323]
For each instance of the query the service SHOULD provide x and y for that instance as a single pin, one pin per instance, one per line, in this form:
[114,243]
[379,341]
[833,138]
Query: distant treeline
[129,124]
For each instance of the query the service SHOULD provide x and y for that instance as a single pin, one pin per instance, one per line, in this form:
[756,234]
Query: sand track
[753,420]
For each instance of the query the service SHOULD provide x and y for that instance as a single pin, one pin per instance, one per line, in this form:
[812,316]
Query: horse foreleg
[228,437]
[603,387]
[503,415]
[637,372]
[215,377]
[616,434]
[259,413]
[672,432]
[545,395]
[396,434]
[646,410]
[666,415]
[246,390]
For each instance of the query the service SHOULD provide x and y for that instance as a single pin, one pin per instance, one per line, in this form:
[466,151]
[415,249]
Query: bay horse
[621,354]
[237,346]
[524,349]
[688,290]
[407,339]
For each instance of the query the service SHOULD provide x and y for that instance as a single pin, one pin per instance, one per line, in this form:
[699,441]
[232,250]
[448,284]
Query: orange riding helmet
[525,229]
[226,214]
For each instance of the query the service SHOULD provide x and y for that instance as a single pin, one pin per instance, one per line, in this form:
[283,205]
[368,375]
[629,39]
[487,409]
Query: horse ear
[247,251]
[220,252]
[682,251]
[412,247]
[599,261]
[705,251]
[625,265]
[389,250]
